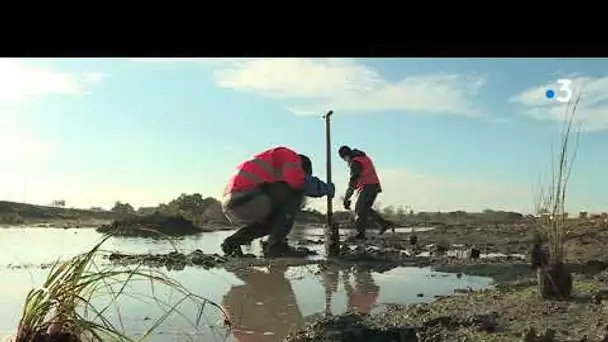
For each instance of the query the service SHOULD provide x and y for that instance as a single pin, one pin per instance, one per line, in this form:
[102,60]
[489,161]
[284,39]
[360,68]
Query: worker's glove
[346,204]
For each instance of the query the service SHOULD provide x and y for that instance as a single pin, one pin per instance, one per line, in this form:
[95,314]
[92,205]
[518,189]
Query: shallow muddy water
[263,304]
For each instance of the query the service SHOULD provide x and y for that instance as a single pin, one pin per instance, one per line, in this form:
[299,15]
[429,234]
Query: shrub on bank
[11,218]
[153,225]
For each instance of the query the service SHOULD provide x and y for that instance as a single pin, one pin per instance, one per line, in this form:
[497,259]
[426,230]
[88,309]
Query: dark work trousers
[285,205]
[363,208]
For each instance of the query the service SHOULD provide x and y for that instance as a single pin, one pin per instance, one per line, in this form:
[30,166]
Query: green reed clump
[62,310]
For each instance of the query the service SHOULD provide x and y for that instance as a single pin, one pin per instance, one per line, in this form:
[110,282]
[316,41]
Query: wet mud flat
[585,239]
[511,311]
[370,255]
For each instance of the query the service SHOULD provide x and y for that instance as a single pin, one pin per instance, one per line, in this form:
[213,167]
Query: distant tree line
[204,210]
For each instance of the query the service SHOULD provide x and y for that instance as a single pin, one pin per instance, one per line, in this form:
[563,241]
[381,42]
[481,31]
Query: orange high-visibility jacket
[271,166]
[368,174]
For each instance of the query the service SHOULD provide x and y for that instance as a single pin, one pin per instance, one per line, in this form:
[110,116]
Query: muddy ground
[584,238]
[510,311]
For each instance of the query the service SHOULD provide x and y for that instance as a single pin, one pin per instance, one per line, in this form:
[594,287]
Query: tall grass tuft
[555,281]
[62,310]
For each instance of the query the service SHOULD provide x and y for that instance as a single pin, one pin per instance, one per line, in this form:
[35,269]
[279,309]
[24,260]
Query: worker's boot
[230,248]
[360,236]
[386,225]
[292,252]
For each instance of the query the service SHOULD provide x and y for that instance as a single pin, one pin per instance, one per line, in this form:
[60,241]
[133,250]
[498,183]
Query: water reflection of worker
[265,303]
[363,296]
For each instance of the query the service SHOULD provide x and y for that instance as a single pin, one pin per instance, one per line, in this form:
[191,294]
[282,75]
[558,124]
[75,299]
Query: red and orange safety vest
[363,301]
[273,165]
[368,174]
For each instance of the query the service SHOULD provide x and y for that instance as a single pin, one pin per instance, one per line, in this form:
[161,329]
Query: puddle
[264,304]
[46,245]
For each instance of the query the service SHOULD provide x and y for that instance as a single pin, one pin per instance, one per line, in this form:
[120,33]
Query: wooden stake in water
[332,235]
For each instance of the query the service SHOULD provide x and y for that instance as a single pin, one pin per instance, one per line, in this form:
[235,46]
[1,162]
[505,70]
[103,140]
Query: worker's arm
[355,173]
[314,187]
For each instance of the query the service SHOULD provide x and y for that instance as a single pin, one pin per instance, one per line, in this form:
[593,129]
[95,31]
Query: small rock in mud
[440,249]
[467,290]
[304,251]
[600,296]
[473,253]
[486,323]
[413,240]
[312,242]
[43,336]
[530,335]
[594,266]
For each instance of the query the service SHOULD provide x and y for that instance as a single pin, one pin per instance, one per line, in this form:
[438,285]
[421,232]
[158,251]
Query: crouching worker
[365,181]
[265,195]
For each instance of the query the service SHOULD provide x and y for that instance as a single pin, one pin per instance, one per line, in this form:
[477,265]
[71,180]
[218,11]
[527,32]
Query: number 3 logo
[565,88]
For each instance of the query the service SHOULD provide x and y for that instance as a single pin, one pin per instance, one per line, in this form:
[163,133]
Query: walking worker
[365,181]
[265,195]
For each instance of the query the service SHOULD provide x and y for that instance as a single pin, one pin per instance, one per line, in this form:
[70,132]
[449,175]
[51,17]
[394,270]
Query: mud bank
[368,256]
[354,328]
[509,312]
[585,239]
[177,260]
[154,225]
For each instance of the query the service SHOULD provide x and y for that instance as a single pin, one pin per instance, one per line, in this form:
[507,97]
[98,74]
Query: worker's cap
[306,164]
[344,151]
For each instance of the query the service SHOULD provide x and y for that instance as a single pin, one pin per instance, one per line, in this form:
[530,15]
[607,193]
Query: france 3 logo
[565,91]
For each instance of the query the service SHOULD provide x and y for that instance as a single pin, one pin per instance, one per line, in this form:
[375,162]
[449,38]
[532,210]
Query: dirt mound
[179,261]
[172,260]
[154,225]
[351,328]
[363,328]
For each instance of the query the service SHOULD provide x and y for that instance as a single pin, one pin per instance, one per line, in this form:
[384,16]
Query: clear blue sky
[445,134]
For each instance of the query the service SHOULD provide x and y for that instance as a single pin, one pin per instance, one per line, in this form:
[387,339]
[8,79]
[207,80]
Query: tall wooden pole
[332,235]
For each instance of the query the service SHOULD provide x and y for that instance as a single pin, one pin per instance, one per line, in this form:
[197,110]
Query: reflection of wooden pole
[348,288]
[330,285]
[328,296]
[332,236]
